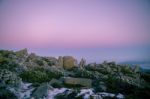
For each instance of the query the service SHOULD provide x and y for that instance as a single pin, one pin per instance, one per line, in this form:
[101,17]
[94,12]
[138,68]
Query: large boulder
[69,62]
[42,91]
[84,82]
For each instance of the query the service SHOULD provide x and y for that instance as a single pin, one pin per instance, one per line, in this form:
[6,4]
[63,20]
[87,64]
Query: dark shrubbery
[50,63]
[34,76]
[6,94]
[6,53]
[40,75]
[146,76]
[39,62]
[6,63]
[9,79]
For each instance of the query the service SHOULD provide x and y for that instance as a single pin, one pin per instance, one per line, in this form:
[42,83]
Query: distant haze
[97,30]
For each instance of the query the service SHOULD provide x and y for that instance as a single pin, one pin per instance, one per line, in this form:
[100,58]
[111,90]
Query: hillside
[25,76]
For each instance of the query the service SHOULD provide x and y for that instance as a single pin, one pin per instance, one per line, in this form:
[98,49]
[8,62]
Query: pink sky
[69,23]
[76,24]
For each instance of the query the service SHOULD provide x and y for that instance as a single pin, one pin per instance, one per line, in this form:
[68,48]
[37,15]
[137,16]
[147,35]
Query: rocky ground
[29,76]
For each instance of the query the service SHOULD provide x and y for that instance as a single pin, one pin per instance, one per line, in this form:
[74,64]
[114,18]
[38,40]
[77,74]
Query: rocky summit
[26,75]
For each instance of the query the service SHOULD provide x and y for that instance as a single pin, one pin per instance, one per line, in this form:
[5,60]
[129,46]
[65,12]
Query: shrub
[49,62]
[5,53]
[39,62]
[87,74]
[8,63]
[34,76]
[8,78]
[40,75]
[6,94]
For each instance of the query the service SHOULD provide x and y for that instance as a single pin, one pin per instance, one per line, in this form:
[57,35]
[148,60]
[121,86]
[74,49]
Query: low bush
[40,75]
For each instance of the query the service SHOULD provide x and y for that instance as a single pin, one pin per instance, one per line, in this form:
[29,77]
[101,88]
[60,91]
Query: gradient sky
[94,29]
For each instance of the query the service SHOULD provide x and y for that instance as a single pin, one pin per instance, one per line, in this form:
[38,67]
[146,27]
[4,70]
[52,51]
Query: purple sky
[95,29]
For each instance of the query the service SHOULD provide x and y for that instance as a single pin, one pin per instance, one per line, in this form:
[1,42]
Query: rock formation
[22,53]
[78,81]
[60,61]
[41,91]
[69,62]
[82,63]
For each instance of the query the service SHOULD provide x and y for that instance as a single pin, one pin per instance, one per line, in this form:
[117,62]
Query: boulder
[42,91]
[78,81]
[22,53]
[56,83]
[69,62]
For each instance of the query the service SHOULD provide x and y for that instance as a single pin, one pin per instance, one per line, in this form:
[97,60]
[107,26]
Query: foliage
[8,78]
[6,94]
[83,73]
[39,62]
[7,63]
[146,76]
[34,76]
[50,63]
[126,70]
[6,53]
[39,75]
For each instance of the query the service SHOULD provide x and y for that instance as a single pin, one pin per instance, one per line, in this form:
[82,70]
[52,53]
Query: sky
[97,30]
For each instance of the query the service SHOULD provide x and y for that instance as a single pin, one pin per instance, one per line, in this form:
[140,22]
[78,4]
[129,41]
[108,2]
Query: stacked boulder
[67,62]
